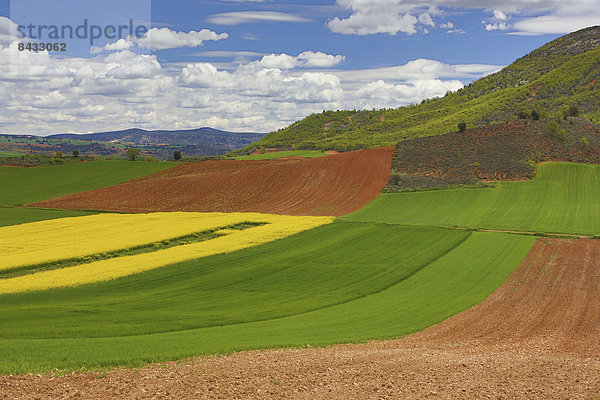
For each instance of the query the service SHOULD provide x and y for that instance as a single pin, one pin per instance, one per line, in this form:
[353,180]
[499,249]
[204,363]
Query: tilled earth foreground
[536,337]
[332,185]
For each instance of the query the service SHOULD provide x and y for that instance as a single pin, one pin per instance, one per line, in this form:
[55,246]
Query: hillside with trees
[544,83]
[508,151]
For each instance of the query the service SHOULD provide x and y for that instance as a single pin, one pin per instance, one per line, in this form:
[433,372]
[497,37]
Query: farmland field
[280,154]
[9,154]
[562,198]
[337,283]
[327,186]
[21,215]
[44,245]
[377,277]
[26,185]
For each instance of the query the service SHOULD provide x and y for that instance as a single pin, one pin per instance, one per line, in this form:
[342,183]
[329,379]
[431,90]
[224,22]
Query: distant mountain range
[159,144]
[209,138]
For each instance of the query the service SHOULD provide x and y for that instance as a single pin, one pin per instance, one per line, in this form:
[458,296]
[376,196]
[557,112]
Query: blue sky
[258,65]
[476,45]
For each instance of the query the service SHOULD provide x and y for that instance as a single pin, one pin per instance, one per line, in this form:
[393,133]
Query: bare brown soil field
[552,302]
[279,149]
[536,337]
[332,185]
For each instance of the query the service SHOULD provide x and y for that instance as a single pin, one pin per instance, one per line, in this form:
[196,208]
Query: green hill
[561,73]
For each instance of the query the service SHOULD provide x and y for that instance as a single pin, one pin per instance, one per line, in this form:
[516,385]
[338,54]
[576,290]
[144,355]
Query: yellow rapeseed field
[59,239]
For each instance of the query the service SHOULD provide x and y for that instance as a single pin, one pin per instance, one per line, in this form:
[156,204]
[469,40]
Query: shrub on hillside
[573,110]
[554,131]
[535,115]
[584,143]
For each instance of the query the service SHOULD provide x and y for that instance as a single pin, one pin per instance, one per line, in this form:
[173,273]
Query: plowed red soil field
[551,303]
[331,185]
[536,337]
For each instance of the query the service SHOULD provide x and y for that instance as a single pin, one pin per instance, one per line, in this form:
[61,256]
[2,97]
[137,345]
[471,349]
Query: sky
[255,65]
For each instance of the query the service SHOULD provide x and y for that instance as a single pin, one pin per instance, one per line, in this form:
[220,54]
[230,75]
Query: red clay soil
[331,185]
[536,337]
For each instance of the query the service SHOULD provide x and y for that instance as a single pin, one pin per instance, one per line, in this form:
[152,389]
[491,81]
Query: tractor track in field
[536,337]
[332,185]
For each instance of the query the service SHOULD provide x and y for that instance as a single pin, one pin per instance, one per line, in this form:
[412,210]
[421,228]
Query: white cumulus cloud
[162,39]
[45,94]
[500,15]
[8,31]
[318,59]
[450,28]
[258,79]
[367,17]
[426,19]
[369,23]
[496,26]
[119,45]
[165,38]
[380,93]
[306,59]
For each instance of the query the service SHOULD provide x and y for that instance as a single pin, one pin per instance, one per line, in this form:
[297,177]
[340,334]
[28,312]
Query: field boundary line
[557,235]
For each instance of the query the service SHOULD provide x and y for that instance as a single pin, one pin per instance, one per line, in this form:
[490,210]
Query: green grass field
[28,185]
[309,271]
[280,154]
[338,283]
[563,198]
[22,186]
[10,154]
[21,215]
